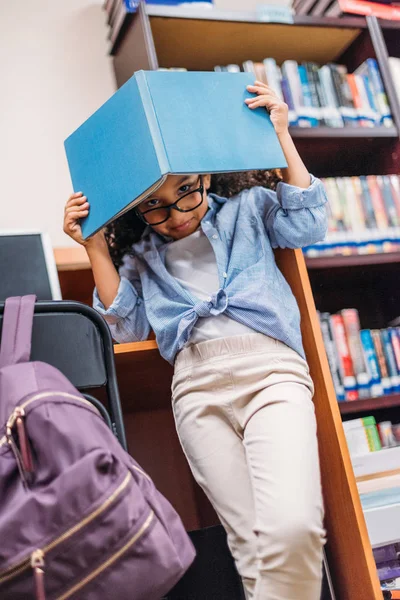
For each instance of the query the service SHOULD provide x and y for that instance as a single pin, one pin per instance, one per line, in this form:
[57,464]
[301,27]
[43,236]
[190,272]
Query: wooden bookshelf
[344,133]
[353,260]
[159,36]
[370,404]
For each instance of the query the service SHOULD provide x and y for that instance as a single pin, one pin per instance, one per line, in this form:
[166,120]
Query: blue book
[372,362]
[390,358]
[161,123]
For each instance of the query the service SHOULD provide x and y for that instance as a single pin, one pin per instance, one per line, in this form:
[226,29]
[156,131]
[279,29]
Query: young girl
[202,275]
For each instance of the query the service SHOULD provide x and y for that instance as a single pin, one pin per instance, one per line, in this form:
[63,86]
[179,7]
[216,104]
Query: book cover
[345,104]
[162,123]
[332,356]
[372,362]
[389,201]
[349,110]
[290,72]
[354,86]
[274,76]
[345,362]
[367,203]
[333,115]
[383,368]
[309,109]
[370,67]
[395,340]
[352,326]
[390,358]
[377,202]
[361,7]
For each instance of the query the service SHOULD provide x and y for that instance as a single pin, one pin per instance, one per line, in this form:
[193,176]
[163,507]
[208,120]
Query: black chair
[75,339]
[213,575]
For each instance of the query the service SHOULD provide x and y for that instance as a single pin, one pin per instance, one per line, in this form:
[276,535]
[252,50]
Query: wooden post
[349,551]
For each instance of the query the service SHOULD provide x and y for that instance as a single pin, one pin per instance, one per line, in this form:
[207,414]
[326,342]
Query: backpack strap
[16,337]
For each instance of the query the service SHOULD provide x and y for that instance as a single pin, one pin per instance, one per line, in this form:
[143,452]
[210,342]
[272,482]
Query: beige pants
[245,418]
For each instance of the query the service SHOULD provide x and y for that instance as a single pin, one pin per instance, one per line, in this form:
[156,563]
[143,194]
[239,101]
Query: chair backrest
[27,266]
[75,339]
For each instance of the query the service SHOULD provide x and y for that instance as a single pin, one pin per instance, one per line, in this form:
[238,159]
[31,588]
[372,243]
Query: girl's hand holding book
[277,109]
[76,208]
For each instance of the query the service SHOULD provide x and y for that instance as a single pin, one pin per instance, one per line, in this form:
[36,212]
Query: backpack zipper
[17,569]
[111,560]
[37,564]
[20,409]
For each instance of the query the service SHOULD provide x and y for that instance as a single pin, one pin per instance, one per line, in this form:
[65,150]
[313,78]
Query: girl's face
[179,224]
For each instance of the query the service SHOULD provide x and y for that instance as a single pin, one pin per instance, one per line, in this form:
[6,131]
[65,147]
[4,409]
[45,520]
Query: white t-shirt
[192,262]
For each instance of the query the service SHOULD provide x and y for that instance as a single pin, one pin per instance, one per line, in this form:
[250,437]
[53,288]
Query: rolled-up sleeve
[126,316]
[294,217]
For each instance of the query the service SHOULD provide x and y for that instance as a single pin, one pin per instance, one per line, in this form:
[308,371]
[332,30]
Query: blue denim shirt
[243,231]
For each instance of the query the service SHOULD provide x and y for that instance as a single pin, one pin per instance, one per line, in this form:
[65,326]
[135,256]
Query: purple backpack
[79,518]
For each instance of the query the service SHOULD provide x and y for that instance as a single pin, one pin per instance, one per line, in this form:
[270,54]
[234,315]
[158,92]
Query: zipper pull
[23,452]
[24,445]
[37,564]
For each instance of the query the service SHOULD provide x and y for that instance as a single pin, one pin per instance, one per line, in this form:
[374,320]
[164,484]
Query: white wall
[54,72]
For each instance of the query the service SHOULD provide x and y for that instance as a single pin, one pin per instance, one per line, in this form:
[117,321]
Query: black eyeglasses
[186,203]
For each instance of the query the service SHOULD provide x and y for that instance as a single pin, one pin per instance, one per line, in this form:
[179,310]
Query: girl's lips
[183,226]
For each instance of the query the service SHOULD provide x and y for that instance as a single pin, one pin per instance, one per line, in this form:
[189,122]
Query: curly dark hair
[125,231]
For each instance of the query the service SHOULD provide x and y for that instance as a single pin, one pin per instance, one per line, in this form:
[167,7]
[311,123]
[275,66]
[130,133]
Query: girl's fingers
[76,201]
[73,217]
[77,208]
[261,91]
[266,101]
[260,85]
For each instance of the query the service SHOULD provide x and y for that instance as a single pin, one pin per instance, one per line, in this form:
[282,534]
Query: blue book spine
[390,360]
[367,203]
[380,94]
[372,362]
[395,340]
[287,96]
[371,98]
[390,205]
[152,120]
[309,111]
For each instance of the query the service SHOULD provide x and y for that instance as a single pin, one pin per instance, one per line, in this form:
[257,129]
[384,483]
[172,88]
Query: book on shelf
[362,436]
[326,94]
[364,216]
[364,363]
[340,8]
[332,354]
[128,147]
[351,323]
[394,66]
[345,360]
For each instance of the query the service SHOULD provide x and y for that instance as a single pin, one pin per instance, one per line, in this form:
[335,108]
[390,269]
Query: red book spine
[345,361]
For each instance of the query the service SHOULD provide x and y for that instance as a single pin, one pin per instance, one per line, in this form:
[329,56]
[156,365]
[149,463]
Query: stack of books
[364,363]
[325,95]
[364,216]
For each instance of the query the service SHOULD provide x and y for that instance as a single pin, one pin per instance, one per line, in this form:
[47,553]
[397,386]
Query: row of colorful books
[364,216]
[325,95]
[364,363]
[387,559]
[365,435]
